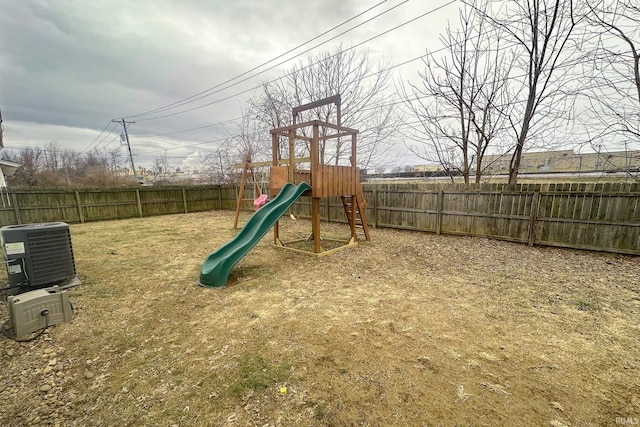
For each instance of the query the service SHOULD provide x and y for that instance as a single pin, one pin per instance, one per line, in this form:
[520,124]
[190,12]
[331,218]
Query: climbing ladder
[362,228]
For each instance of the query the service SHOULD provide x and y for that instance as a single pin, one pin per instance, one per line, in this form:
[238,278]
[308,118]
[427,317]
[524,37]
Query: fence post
[16,208]
[79,206]
[184,200]
[139,203]
[439,204]
[375,207]
[328,208]
[534,217]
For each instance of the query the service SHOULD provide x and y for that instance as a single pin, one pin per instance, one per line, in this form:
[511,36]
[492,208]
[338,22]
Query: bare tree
[252,138]
[70,159]
[615,71]
[458,96]
[249,138]
[160,169]
[31,160]
[53,166]
[108,160]
[218,166]
[52,156]
[362,84]
[270,109]
[546,49]
[115,160]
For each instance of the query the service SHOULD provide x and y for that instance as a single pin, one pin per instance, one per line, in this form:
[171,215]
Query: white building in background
[7,170]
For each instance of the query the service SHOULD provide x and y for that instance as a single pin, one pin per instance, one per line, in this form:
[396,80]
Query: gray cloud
[74,65]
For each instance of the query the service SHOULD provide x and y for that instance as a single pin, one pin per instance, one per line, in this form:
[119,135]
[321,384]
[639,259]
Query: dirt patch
[409,329]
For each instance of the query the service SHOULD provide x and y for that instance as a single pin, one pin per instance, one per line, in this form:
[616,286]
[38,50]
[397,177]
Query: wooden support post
[327,209]
[292,157]
[315,201]
[139,203]
[315,162]
[274,149]
[315,224]
[80,214]
[533,221]
[243,180]
[439,203]
[16,208]
[352,217]
[375,207]
[219,196]
[353,151]
[274,153]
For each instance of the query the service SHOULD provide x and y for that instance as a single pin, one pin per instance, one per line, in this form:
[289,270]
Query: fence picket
[586,216]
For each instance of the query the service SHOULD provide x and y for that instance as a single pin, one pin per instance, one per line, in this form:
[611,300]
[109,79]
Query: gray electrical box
[35,310]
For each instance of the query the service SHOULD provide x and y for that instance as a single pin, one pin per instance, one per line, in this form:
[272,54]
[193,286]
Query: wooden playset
[325,180]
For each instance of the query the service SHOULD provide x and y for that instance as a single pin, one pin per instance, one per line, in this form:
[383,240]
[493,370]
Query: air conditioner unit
[36,310]
[38,255]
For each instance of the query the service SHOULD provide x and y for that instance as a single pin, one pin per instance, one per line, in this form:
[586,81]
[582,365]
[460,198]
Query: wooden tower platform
[325,180]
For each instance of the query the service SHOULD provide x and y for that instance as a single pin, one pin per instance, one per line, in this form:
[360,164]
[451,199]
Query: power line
[263,71]
[104,142]
[256,133]
[364,109]
[98,137]
[303,68]
[227,138]
[192,129]
[191,98]
[241,117]
[401,64]
[345,50]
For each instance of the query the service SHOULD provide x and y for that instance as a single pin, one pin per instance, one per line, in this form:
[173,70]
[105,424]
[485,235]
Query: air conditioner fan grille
[51,256]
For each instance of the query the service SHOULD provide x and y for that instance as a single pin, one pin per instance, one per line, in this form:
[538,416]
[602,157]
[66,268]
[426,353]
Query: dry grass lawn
[409,329]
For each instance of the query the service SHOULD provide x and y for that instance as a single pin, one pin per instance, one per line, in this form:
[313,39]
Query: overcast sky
[67,68]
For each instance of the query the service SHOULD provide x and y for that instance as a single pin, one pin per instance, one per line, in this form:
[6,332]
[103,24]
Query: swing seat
[260,201]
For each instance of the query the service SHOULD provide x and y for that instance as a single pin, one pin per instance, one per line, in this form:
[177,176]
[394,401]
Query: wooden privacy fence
[593,220]
[602,217]
[35,206]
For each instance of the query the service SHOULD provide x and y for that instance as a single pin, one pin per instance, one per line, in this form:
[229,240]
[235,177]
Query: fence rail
[35,206]
[601,217]
[593,217]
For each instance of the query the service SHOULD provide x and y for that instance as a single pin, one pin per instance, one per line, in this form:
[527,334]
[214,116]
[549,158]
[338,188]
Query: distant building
[565,161]
[7,170]
[427,168]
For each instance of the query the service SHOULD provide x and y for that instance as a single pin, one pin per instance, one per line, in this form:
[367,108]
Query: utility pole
[1,131]
[123,122]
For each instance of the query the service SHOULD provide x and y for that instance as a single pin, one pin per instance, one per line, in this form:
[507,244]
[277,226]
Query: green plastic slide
[217,267]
